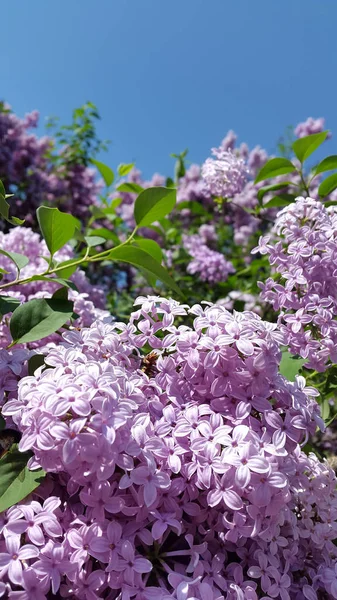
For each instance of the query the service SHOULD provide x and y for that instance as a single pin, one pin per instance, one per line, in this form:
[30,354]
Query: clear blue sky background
[170,74]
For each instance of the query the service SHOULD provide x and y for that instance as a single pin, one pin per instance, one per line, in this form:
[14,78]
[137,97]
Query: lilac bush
[174,449]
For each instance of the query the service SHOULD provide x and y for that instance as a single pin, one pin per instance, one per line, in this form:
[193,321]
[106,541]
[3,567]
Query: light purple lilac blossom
[186,483]
[209,265]
[310,126]
[225,175]
[302,250]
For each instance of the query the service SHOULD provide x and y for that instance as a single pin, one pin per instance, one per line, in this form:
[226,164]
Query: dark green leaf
[290,366]
[130,187]
[60,294]
[328,185]
[280,200]
[275,167]
[271,188]
[327,164]
[105,171]
[39,318]
[16,480]
[2,423]
[305,146]
[2,189]
[139,258]
[125,169]
[56,227]
[35,361]
[153,204]
[8,304]
[4,207]
[18,259]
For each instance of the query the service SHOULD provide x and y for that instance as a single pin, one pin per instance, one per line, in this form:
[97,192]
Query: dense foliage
[168,370]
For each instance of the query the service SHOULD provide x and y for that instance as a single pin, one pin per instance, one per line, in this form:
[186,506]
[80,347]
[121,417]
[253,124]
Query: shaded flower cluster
[302,250]
[208,264]
[179,476]
[27,171]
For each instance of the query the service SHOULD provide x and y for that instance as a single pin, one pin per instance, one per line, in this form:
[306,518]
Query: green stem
[86,258]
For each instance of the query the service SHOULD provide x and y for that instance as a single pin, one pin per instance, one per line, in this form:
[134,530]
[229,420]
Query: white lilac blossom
[181,481]
[225,175]
[302,250]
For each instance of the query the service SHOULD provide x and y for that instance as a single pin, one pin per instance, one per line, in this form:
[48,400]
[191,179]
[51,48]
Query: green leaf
[107,173]
[290,365]
[328,185]
[271,188]
[107,234]
[280,200]
[305,146]
[327,164]
[4,207]
[66,271]
[153,204]
[56,227]
[16,221]
[151,247]
[8,304]
[139,258]
[274,167]
[325,409]
[16,480]
[35,361]
[39,318]
[18,259]
[94,240]
[130,187]
[64,282]
[125,169]
[2,189]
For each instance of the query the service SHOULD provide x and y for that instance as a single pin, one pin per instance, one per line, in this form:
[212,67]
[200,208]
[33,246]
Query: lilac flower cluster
[27,171]
[302,249]
[309,127]
[225,175]
[89,301]
[176,475]
[249,301]
[211,266]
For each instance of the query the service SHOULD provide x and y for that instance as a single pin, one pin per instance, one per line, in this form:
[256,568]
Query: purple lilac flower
[302,250]
[225,175]
[247,510]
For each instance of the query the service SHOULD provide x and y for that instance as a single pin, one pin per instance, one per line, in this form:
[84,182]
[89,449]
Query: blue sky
[171,74]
